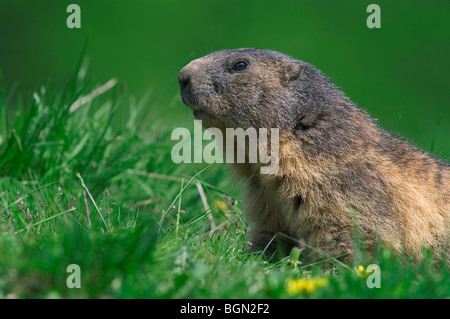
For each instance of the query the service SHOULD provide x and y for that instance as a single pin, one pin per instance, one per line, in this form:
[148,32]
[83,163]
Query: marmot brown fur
[338,171]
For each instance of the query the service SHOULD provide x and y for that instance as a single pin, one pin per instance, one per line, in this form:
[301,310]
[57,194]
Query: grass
[81,186]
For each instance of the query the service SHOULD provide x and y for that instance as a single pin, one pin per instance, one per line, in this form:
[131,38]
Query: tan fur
[338,171]
[326,221]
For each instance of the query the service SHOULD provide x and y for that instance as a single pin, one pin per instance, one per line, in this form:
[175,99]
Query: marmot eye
[239,66]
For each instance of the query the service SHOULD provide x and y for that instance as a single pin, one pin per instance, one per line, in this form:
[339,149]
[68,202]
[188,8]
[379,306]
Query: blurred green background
[399,73]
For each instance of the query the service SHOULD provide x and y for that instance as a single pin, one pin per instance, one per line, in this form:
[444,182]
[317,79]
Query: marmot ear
[293,71]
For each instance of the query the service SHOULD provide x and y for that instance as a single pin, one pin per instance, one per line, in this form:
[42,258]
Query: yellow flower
[113,230]
[305,285]
[362,272]
[221,204]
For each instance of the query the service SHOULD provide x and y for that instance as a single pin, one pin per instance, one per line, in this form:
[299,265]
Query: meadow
[86,175]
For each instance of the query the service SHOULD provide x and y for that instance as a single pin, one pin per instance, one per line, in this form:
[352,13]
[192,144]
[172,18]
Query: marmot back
[337,168]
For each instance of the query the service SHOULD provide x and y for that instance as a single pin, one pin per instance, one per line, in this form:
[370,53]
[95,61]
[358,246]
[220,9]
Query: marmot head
[249,88]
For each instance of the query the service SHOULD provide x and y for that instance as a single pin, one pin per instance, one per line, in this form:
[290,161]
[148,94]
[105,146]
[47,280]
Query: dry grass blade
[179,179]
[92,199]
[89,97]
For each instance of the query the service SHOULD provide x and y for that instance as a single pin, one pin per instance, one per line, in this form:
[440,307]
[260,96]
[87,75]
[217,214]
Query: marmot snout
[337,168]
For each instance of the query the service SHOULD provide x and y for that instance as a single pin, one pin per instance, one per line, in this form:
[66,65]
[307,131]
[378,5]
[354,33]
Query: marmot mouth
[199,113]
[193,107]
[186,101]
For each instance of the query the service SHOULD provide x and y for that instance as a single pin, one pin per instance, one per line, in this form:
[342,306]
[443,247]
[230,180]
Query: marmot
[338,171]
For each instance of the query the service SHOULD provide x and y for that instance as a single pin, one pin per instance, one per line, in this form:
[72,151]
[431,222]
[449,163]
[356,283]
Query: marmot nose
[184,79]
